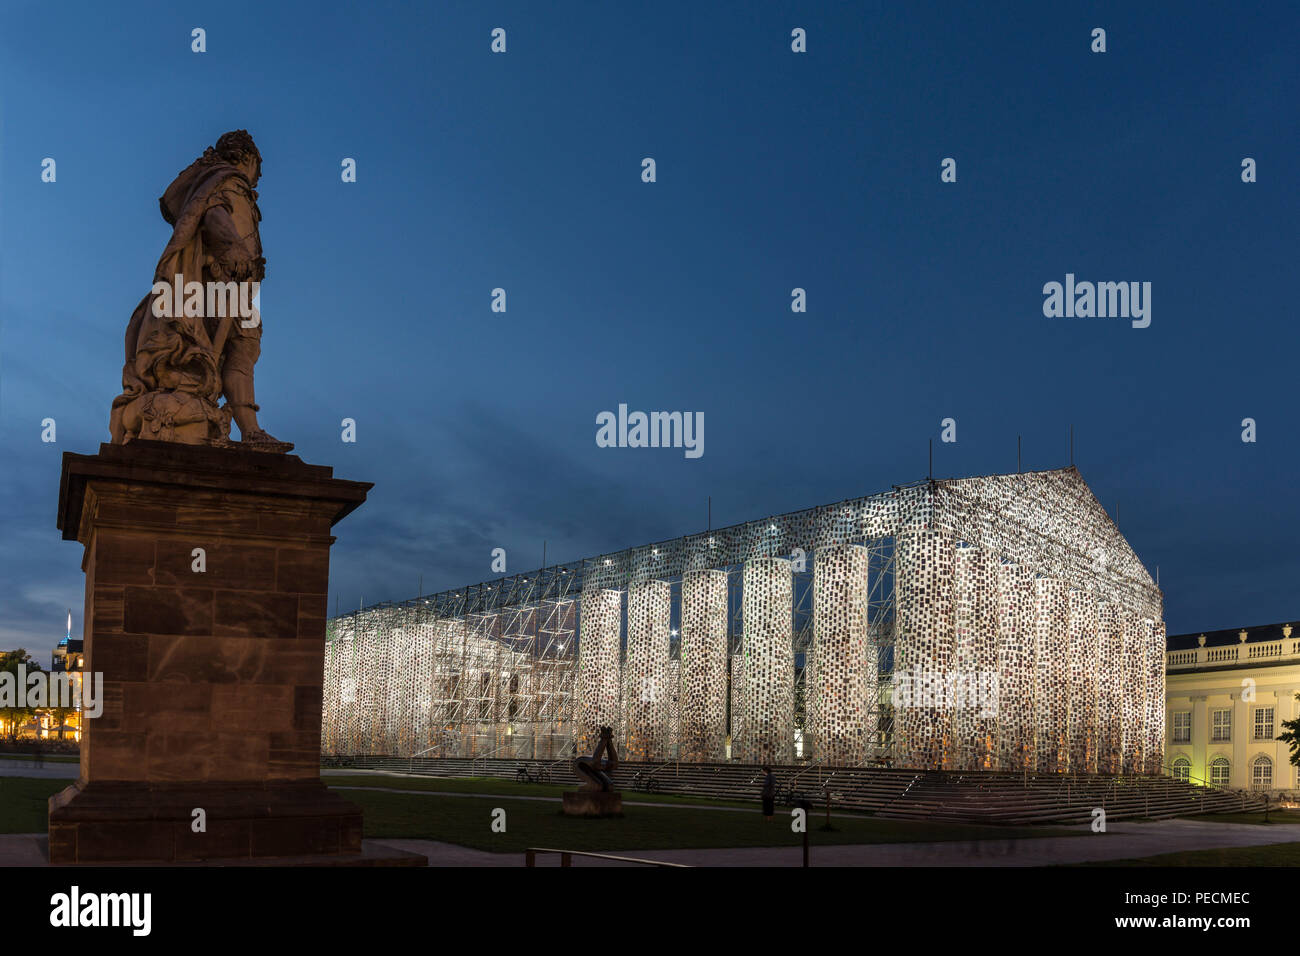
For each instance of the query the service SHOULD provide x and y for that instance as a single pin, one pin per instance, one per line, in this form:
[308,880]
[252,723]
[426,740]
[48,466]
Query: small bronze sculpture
[182,357]
[594,774]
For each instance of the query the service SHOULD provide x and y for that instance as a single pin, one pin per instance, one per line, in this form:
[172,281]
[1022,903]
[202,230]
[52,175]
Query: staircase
[990,797]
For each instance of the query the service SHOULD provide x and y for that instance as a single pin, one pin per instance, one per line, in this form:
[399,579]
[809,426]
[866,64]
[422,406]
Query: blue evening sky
[775,170]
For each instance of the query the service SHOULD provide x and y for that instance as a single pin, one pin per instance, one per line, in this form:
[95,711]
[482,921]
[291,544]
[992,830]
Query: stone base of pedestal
[593,803]
[116,822]
[207,574]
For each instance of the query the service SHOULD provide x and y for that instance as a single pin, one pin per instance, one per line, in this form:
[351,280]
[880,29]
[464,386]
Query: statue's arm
[232,258]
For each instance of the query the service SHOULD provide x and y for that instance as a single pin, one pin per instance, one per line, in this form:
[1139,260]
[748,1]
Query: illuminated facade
[999,622]
[1227,694]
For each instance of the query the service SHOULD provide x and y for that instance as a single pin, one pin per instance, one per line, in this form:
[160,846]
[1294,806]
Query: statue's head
[238,149]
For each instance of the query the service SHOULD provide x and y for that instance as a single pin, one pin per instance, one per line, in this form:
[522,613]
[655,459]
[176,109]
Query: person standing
[769,794]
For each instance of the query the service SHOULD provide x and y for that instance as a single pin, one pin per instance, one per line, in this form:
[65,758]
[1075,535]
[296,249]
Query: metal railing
[818,765]
[482,759]
[1245,795]
[438,746]
[566,858]
[649,784]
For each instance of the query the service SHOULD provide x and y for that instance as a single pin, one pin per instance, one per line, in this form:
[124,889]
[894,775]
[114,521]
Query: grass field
[510,787]
[1277,854]
[49,758]
[1254,817]
[467,820]
[23,802]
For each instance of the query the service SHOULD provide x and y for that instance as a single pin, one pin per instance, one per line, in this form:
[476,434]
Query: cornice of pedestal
[228,471]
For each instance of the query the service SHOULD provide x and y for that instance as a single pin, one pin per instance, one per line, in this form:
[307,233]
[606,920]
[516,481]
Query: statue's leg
[240,356]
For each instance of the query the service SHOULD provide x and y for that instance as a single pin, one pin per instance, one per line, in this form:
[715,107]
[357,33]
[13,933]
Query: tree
[1292,737]
[14,717]
[61,715]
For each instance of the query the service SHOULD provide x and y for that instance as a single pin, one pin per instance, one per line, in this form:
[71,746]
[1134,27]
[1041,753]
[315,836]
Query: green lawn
[49,758]
[24,804]
[1277,854]
[467,821]
[499,785]
[1254,817]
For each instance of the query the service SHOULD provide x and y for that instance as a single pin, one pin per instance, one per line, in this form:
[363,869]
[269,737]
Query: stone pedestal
[207,573]
[592,803]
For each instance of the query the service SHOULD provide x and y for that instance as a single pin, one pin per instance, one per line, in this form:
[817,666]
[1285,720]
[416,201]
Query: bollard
[806,807]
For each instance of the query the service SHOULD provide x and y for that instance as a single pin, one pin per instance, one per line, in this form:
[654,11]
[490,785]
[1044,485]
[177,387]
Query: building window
[1221,725]
[1182,727]
[1261,774]
[1263,723]
[1220,771]
[1182,768]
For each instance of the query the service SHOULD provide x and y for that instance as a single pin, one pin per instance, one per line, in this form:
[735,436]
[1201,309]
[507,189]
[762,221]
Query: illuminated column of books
[842,681]
[768,620]
[422,735]
[372,699]
[672,739]
[974,704]
[923,571]
[1135,692]
[599,632]
[349,729]
[1052,690]
[421,686]
[355,725]
[703,722]
[1110,689]
[331,691]
[645,676]
[1155,742]
[398,686]
[1017,655]
[1085,660]
[387,691]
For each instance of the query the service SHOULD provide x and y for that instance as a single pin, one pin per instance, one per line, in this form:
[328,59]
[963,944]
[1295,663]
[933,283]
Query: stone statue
[196,336]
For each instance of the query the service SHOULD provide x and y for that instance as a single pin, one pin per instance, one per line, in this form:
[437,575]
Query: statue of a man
[194,338]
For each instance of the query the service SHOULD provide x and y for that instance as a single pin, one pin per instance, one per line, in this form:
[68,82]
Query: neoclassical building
[1227,695]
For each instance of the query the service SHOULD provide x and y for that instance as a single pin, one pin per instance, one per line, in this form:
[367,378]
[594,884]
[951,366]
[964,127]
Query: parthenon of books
[998,622]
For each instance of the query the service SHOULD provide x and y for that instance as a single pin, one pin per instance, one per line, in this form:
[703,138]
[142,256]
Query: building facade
[68,657]
[1228,693]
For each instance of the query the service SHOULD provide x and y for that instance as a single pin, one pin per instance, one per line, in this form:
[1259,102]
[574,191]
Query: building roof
[1049,519]
[1255,634]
